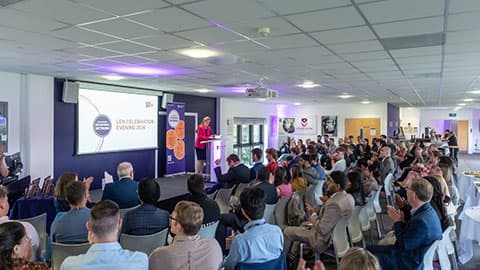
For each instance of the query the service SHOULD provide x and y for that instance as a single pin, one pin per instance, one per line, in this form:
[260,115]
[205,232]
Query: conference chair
[446,250]
[40,224]
[389,194]
[223,199]
[240,188]
[376,204]
[268,214]
[428,257]
[340,238]
[280,213]
[62,251]
[276,264]
[125,210]
[372,216]
[365,222]
[144,243]
[208,230]
[354,227]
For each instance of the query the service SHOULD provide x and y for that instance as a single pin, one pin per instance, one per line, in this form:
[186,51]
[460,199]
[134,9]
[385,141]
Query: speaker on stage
[70,92]
[166,97]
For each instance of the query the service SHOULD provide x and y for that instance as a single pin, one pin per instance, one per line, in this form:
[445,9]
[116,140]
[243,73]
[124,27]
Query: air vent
[396,43]
[5,3]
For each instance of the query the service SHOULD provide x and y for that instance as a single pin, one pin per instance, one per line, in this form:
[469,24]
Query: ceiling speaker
[70,92]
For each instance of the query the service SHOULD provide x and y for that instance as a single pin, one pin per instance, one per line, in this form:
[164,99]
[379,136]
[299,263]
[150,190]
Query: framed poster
[329,125]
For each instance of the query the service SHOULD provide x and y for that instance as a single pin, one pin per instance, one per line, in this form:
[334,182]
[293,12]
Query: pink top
[285,190]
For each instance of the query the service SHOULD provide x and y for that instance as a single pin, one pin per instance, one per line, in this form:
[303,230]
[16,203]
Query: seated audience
[355,187]
[323,221]
[316,164]
[188,250]
[15,248]
[31,232]
[388,167]
[452,188]
[123,191]
[261,241]
[438,202]
[355,259]
[298,182]
[195,185]
[284,188]
[70,228]
[60,201]
[437,173]
[147,218]
[257,162]
[271,155]
[263,182]
[309,173]
[105,252]
[338,161]
[413,236]
[237,173]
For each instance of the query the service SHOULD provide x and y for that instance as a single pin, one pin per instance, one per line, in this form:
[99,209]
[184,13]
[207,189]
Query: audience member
[452,188]
[261,241]
[316,164]
[355,187]
[271,155]
[123,191]
[31,232]
[147,218]
[211,210]
[413,236]
[338,161]
[438,202]
[284,188]
[105,252]
[309,173]
[70,228]
[237,173]
[355,259]
[257,162]
[60,202]
[15,248]
[188,250]
[263,182]
[324,220]
[437,173]
[298,182]
[3,165]
[387,163]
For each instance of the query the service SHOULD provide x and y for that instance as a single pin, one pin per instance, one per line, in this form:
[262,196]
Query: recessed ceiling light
[198,53]
[308,84]
[365,102]
[462,104]
[344,96]
[409,108]
[474,92]
[297,103]
[468,99]
[113,77]
[203,90]
[457,108]
[261,99]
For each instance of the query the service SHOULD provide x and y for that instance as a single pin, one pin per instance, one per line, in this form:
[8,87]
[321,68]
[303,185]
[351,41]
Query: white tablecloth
[470,229]
[465,182]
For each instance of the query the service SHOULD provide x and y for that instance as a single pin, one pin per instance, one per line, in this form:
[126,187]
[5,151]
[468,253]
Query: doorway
[366,127]
[462,135]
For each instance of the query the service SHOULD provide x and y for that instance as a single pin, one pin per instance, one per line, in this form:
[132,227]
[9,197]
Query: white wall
[230,108]
[30,114]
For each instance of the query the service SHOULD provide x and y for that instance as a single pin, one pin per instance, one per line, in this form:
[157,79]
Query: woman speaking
[203,133]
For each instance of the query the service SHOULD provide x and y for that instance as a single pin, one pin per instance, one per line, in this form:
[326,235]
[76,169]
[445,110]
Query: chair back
[280,213]
[268,214]
[445,248]
[354,228]
[363,219]
[223,198]
[40,224]
[62,251]
[340,237]
[144,243]
[428,257]
[376,200]
[372,216]
[208,230]
[125,210]
[240,188]
[314,192]
[279,263]
[388,182]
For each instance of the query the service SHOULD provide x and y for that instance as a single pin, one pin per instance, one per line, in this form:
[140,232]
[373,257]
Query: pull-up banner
[175,138]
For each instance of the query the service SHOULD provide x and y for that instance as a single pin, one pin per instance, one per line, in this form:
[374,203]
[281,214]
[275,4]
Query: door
[462,135]
[367,127]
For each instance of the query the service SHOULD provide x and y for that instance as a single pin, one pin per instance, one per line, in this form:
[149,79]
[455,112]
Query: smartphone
[301,250]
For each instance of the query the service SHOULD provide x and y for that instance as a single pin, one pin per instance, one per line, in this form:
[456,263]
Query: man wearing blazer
[414,236]
[340,204]
[236,174]
[123,191]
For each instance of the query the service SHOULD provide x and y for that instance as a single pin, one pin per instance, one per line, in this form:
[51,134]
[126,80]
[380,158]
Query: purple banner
[175,138]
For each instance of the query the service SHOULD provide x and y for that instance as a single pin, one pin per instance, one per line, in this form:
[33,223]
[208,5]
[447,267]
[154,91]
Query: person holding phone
[203,134]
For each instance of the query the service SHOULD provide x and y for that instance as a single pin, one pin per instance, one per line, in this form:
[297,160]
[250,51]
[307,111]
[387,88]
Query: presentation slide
[114,121]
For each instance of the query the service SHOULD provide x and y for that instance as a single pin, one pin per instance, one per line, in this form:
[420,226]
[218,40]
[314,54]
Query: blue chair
[279,263]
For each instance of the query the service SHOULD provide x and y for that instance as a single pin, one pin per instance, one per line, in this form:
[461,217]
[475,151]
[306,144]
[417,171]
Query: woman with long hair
[203,134]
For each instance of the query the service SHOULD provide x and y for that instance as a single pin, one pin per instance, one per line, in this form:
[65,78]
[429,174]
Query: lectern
[214,152]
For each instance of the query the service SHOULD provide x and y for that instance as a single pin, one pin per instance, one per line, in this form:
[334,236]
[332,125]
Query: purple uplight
[237,89]
[146,70]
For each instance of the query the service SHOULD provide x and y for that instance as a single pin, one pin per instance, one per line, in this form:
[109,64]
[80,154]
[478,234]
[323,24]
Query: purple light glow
[238,89]
[150,70]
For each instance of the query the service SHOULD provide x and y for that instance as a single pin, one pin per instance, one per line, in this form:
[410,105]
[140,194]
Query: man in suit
[123,191]
[195,185]
[339,205]
[147,218]
[257,162]
[387,163]
[413,236]
[237,173]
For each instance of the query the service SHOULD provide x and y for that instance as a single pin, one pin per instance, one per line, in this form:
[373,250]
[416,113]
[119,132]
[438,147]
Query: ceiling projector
[261,92]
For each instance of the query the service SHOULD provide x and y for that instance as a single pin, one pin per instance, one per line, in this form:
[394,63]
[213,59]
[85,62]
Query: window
[245,138]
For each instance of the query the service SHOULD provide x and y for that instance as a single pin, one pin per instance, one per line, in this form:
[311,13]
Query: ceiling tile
[223,11]
[463,21]
[328,19]
[167,19]
[434,50]
[387,11]
[165,42]
[25,21]
[163,56]
[409,28]
[250,27]
[288,6]
[210,35]
[126,47]
[362,46]
[82,35]
[291,41]
[464,6]
[95,52]
[365,56]
[121,7]
[132,60]
[121,28]
[360,33]
[62,10]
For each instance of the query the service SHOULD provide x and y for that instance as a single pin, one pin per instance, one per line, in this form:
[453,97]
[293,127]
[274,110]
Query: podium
[214,152]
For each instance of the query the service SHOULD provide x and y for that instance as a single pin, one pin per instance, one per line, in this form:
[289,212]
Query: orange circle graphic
[171,139]
[180,129]
[179,150]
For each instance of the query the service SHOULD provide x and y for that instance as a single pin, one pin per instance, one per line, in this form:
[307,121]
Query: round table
[473,213]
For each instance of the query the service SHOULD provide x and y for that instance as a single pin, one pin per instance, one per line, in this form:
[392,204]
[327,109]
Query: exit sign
[452,115]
